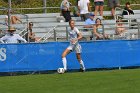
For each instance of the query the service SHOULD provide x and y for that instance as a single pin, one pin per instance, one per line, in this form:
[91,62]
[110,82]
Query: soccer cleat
[82,70]
[65,70]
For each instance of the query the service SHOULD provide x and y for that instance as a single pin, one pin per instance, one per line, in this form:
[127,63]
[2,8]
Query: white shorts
[77,48]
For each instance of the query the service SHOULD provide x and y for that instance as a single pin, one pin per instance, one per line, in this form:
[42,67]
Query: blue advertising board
[47,56]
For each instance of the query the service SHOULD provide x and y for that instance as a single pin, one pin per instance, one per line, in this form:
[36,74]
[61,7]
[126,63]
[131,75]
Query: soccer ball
[60,70]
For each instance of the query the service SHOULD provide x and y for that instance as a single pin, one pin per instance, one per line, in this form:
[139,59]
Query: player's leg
[78,50]
[78,55]
[64,60]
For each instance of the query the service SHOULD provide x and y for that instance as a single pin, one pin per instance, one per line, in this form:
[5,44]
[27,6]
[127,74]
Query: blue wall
[47,56]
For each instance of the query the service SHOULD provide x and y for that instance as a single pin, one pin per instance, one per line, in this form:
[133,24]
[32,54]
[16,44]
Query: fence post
[44,5]
[9,13]
[138,30]
[55,39]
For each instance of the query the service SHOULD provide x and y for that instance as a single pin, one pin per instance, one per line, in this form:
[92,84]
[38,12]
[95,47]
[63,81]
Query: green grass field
[109,81]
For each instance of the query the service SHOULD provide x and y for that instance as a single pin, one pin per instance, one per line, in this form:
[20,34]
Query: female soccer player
[75,35]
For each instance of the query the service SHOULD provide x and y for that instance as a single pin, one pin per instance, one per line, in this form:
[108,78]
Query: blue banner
[47,56]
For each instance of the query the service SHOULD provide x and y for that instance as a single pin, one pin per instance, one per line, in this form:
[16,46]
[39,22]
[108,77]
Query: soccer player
[75,36]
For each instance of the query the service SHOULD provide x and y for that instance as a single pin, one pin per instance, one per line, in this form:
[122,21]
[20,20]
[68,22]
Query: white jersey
[83,4]
[12,38]
[74,35]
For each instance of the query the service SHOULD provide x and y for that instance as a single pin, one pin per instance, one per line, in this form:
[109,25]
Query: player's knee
[63,55]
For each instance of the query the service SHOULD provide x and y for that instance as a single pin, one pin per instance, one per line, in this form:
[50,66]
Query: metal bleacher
[46,24]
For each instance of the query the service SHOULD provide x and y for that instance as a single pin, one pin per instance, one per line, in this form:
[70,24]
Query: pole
[55,39]
[9,10]
[44,5]
[138,30]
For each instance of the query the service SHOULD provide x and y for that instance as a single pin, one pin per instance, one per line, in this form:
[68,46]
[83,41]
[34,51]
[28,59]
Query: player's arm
[74,41]
[79,36]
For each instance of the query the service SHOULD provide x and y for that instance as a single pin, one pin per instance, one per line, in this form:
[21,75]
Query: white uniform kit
[74,46]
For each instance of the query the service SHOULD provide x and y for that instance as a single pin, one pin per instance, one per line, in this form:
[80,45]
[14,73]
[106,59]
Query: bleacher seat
[46,21]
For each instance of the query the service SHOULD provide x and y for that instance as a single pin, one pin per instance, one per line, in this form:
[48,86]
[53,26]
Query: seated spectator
[120,28]
[1,33]
[98,30]
[30,26]
[11,37]
[30,36]
[13,18]
[127,8]
[128,11]
[90,21]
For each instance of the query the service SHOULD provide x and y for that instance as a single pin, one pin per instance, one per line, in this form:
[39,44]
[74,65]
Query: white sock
[82,64]
[64,63]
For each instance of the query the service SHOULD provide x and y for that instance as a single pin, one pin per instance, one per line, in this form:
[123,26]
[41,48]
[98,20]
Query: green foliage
[51,3]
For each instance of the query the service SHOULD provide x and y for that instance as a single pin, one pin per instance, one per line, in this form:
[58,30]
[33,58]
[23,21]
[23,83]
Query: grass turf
[109,81]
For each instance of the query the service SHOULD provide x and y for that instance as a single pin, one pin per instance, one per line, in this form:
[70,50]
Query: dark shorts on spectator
[113,3]
[100,3]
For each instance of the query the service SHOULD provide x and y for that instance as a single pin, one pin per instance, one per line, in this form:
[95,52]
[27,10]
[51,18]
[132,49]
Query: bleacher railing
[45,37]
[132,32]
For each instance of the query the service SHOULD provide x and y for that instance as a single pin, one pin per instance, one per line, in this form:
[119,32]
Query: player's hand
[73,41]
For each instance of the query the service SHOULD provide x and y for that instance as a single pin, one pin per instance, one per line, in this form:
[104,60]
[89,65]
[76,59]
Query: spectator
[113,4]
[99,5]
[65,9]
[127,8]
[30,25]
[120,27]
[76,12]
[84,8]
[13,18]
[11,37]
[30,36]
[90,21]
[1,33]
[98,30]
[128,11]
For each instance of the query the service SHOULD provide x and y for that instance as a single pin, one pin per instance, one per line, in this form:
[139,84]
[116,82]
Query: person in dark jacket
[127,8]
